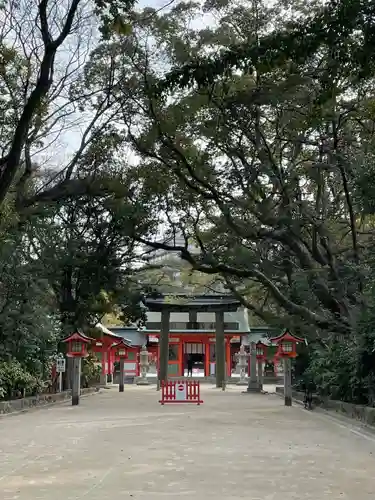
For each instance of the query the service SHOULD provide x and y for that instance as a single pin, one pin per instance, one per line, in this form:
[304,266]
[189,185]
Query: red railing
[181,391]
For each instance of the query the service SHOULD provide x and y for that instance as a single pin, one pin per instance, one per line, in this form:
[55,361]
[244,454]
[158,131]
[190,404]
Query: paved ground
[119,446]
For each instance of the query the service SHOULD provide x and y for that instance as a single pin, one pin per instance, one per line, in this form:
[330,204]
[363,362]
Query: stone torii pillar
[220,349]
[164,346]
[253,385]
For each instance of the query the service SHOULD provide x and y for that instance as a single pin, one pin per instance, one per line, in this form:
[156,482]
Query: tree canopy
[66,221]
[254,137]
[246,127]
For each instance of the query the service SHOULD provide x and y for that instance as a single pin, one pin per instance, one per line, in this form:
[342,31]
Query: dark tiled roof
[186,303]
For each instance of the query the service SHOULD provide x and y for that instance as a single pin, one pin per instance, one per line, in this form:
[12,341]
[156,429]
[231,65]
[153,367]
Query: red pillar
[206,358]
[181,357]
[104,359]
[109,361]
[137,360]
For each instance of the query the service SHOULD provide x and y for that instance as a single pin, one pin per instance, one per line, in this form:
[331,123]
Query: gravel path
[119,446]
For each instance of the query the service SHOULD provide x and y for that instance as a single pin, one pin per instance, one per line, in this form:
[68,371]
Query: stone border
[34,402]
[364,414]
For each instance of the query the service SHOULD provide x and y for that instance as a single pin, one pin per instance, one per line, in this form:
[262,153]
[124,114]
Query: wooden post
[60,381]
[220,349]
[287,382]
[69,374]
[76,383]
[164,346]
[122,374]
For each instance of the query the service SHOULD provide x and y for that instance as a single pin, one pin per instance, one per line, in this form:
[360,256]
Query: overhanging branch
[223,269]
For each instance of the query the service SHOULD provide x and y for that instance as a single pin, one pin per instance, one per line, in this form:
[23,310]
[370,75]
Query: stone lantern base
[142,381]
[253,386]
[242,382]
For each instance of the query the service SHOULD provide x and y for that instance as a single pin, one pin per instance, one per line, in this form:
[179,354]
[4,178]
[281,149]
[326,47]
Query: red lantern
[121,348]
[287,345]
[77,345]
[261,351]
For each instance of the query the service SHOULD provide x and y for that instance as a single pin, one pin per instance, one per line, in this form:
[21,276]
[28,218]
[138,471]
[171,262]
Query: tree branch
[40,90]
[214,268]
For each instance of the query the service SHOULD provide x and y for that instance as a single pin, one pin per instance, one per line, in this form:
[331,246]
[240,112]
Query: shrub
[16,381]
[90,371]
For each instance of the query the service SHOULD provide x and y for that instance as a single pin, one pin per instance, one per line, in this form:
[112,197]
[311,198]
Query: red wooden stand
[181,391]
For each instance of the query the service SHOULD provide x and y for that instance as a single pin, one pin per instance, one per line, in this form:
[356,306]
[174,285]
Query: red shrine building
[102,348]
[192,325]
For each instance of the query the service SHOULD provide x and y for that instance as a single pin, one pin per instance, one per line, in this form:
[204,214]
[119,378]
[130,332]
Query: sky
[68,141]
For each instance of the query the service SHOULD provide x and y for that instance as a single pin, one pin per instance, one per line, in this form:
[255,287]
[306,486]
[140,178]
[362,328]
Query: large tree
[88,255]
[68,208]
[259,167]
[29,324]
[43,48]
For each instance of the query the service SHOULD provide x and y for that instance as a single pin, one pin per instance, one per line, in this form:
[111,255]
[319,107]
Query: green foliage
[115,16]
[253,137]
[27,319]
[61,271]
[86,252]
[344,369]
[258,145]
[66,247]
[91,371]
[340,26]
[15,381]
[175,276]
[332,371]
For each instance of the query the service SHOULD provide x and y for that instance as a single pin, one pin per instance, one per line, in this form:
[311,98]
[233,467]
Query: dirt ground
[119,446]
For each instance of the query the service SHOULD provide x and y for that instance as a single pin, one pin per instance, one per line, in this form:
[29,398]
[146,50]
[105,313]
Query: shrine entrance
[196,351]
[206,339]
[211,357]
